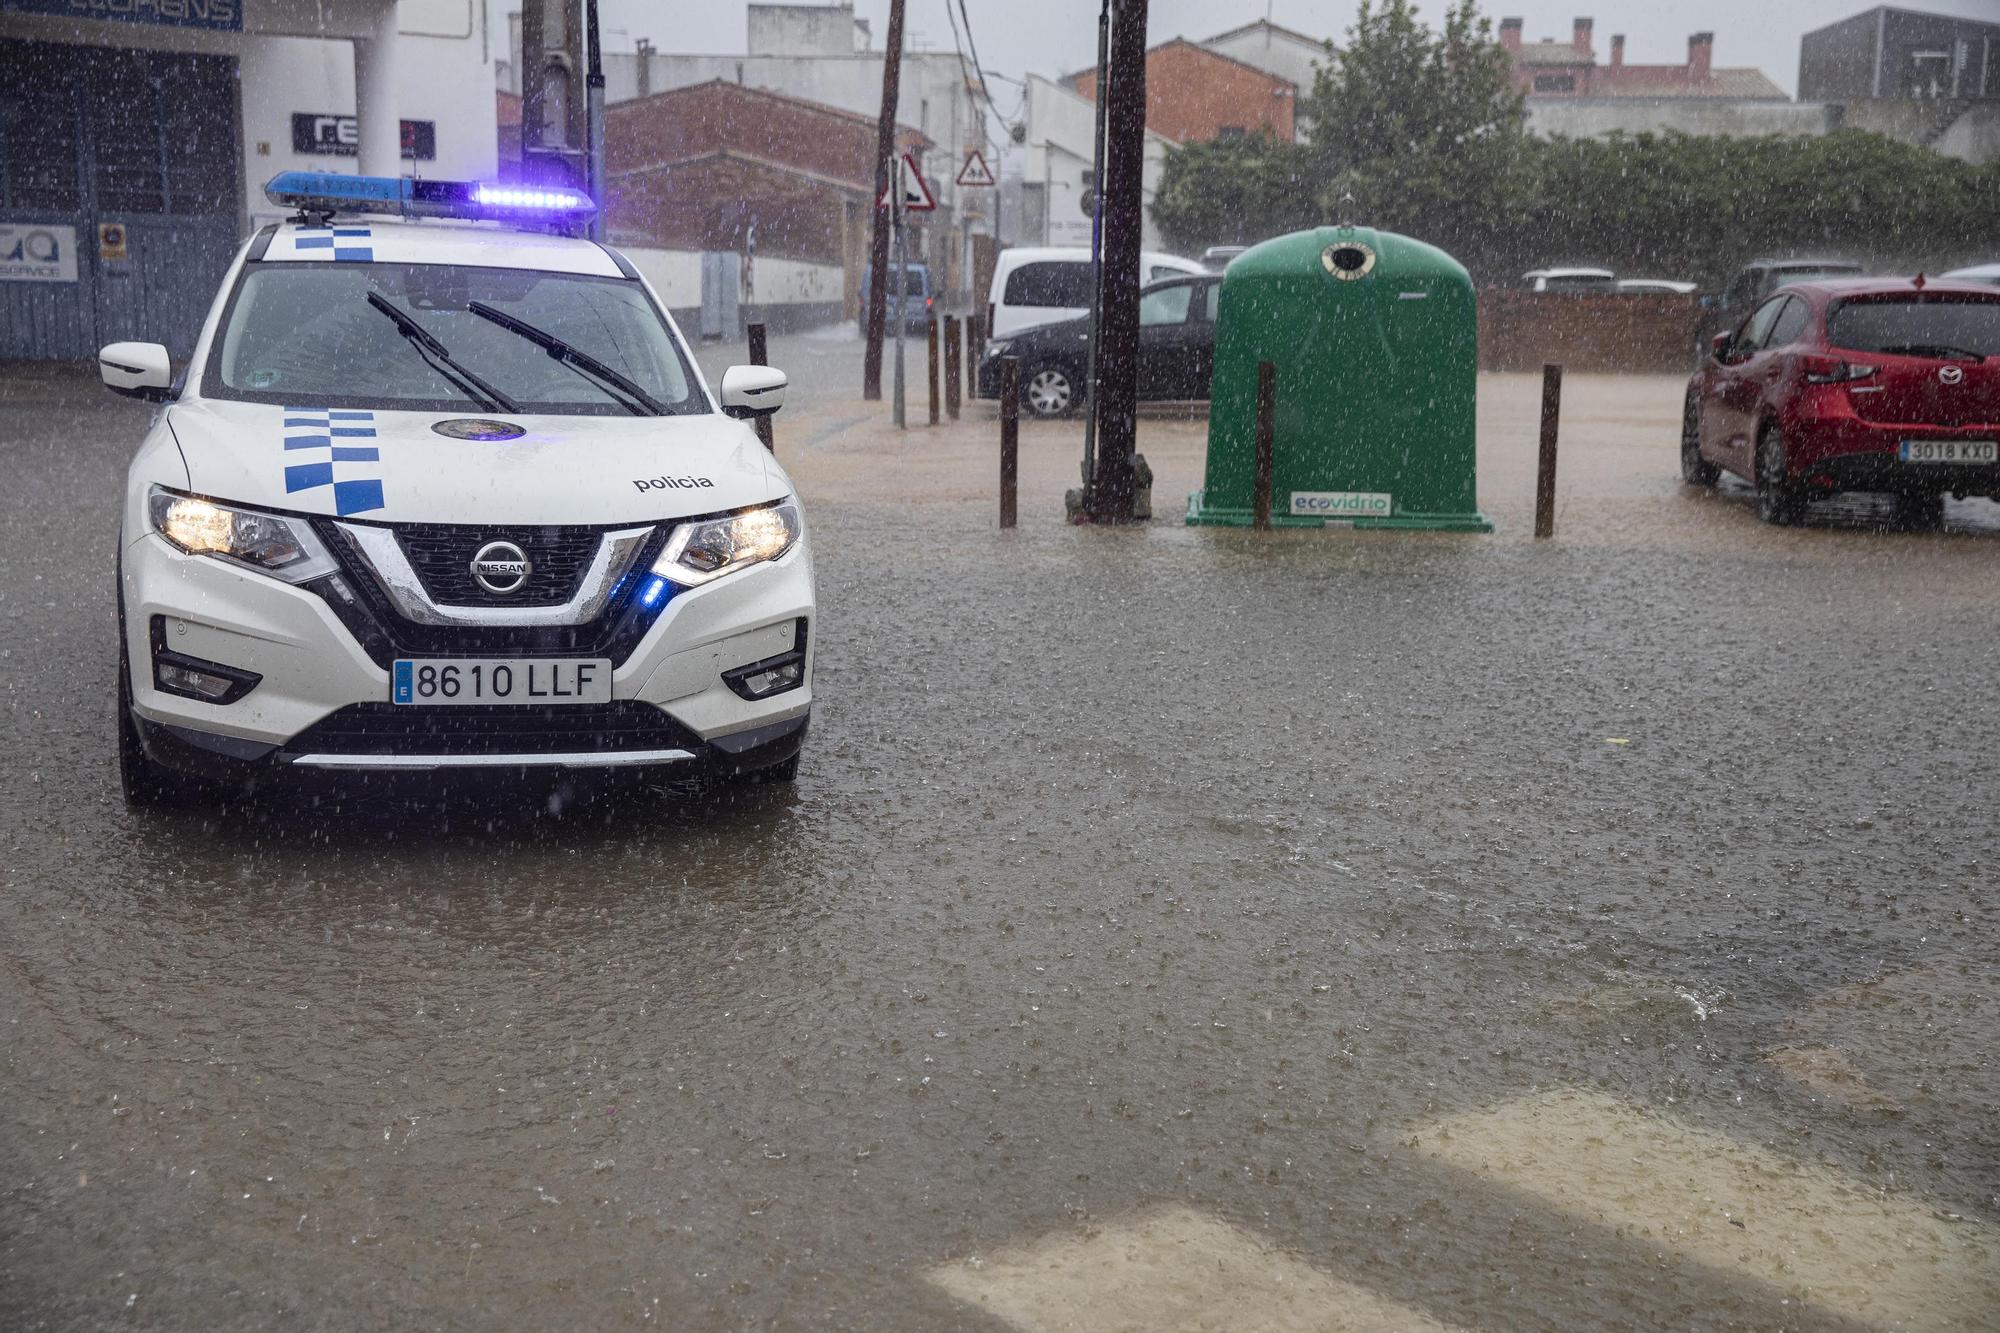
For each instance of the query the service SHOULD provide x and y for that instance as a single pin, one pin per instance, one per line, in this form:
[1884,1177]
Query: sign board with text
[215,15]
[36,252]
[328,135]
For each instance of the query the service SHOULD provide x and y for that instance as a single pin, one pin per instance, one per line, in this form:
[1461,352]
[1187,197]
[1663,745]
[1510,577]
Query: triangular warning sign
[975,171]
[917,196]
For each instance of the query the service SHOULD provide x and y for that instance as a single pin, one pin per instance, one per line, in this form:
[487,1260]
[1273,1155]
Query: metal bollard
[1545,468]
[1010,438]
[951,359]
[931,336]
[977,347]
[1267,413]
[760,356]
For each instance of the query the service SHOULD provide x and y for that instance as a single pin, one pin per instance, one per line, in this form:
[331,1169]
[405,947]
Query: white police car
[440,490]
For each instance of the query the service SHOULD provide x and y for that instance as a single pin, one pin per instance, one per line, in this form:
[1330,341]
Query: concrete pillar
[380,122]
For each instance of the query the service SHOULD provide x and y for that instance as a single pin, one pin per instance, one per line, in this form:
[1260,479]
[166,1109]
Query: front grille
[385,728]
[441,553]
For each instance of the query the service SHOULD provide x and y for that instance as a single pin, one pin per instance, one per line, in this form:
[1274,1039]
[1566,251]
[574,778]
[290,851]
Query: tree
[1423,128]
[1234,192]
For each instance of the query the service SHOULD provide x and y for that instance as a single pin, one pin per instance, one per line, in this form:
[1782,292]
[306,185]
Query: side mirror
[137,370]
[752,391]
[1720,344]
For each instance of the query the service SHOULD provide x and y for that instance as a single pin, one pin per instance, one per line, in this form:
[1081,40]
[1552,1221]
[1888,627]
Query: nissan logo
[1951,374]
[501,568]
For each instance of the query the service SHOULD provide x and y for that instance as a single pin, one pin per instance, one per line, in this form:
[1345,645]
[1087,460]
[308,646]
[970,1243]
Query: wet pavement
[1170,928]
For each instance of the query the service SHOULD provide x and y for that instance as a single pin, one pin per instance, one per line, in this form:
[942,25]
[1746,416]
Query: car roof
[1846,265]
[1028,254]
[398,241]
[1978,272]
[1839,287]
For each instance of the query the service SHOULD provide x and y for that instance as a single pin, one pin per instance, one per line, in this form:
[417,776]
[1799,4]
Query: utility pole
[1096,254]
[594,123]
[1111,492]
[878,245]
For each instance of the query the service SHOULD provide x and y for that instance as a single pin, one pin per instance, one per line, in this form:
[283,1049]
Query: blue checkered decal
[345,242]
[322,448]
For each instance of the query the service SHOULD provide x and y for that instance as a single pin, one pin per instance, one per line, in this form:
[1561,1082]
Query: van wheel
[1778,500]
[1049,392]
[1695,470]
[785,770]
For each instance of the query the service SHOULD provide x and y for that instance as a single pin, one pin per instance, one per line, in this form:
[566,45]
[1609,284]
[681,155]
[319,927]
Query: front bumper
[321,700]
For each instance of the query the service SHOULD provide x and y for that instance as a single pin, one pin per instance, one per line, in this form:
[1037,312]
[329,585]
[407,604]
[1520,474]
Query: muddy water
[1127,870]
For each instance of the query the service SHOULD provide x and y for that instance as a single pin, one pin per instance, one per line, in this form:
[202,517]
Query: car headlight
[284,548]
[698,552]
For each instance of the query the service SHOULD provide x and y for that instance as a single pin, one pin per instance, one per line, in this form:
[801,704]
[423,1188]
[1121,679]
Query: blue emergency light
[330,192]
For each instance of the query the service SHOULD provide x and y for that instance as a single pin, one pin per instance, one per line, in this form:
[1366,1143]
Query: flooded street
[1397,931]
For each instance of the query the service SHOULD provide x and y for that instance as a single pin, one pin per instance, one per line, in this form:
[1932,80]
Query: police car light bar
[331,192]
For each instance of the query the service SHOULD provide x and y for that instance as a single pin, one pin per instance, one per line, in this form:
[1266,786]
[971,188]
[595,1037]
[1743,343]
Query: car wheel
[1922,511]
[1695,470]
[144,782]
[785,770]
[1778,500]
[1049,392]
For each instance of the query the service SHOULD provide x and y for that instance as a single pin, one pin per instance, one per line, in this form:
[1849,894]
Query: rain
[1429,768]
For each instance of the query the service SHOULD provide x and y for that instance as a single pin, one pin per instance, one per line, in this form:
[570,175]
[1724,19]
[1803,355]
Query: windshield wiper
[635,399]
[1943,350]
[439,358]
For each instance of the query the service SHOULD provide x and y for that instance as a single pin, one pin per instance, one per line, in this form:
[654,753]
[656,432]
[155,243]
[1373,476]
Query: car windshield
[1944,327]
[306,335]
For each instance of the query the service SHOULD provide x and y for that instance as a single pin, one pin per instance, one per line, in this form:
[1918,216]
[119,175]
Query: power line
[977,67]
[965,77]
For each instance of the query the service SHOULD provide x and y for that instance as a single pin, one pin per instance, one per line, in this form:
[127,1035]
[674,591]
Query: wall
[1837,62]
[784,294]
[1520,330]
[1055,160]
[802,30]
[1272,51]
[1192,95]
[445,80]
[1591,118]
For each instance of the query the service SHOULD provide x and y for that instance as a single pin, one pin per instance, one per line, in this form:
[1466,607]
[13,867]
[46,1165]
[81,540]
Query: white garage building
[136,137]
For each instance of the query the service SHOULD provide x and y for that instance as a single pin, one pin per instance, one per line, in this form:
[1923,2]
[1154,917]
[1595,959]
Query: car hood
[393,467]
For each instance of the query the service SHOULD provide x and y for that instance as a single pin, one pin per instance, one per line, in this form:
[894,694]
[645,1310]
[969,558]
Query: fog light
[773,675]
[193,678]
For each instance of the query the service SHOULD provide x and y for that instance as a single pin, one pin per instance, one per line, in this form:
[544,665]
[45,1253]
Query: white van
[1033,286]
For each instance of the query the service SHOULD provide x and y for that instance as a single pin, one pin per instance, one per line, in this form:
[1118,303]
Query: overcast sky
[1054,36]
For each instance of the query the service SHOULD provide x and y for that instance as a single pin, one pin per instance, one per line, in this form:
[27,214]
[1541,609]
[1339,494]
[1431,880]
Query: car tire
[1049,391]
[1778,500]
[1695,470]
[144,782]
[1920,511]
[784,771]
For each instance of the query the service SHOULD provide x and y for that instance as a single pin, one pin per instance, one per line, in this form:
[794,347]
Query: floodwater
[1170,929]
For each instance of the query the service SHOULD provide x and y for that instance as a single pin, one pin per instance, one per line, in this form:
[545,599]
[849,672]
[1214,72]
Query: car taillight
[1829,370]
[929,301]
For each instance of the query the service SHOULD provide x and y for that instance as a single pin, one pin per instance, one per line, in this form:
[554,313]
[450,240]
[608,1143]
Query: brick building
[1194,95]
[1552,69]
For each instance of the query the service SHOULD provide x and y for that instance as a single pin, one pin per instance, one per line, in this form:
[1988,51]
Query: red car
[1853,385]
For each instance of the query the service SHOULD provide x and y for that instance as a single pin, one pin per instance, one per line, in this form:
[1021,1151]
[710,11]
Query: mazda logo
[1951,374]
[501,568]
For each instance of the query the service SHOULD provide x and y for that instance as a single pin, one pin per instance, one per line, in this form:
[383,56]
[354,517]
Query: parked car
[1986,273]
[1570,280]
[917,300]
[1216,258]
[1658,286]
[1044,285]
[1870,384]
[1176,350]
[1753,283]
